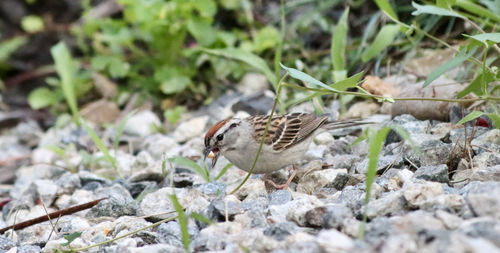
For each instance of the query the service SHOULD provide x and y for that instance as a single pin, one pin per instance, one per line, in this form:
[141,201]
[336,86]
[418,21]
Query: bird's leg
[285,185]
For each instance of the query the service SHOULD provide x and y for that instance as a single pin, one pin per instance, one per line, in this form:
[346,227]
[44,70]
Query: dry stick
[53,215]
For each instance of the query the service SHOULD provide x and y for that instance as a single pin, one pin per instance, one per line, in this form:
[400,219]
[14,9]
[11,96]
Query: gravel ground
[445,198]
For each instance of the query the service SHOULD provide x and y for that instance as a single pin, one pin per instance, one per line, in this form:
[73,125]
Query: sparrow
[286,141]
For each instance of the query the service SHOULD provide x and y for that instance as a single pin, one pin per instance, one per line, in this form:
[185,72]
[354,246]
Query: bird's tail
[338,124]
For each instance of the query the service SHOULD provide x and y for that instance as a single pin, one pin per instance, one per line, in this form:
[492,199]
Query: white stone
[142,124]
[324,138]
[317,179]
[417,194]
[332,240]
[190,129]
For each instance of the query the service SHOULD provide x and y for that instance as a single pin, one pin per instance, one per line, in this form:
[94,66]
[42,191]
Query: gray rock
[332,240]
[389,204]
[331,216]
[399,243]
[254,214]
[71,223]
[486,159]
[6,243]
[342,161]
[213,188]
[252,83]
[137,188]
[152,172]
[44,190]
[344,179]
[141,124]
[437,173]
[158,205]
[279,197]
[489,140]
[310,182]
[416,194]
[485,204]
[68,183]
[222,207]
[457,135]
[323,139]
[351,197]
[410,124]
[485,227]
[316,152]
[28,249]
[170,233]
[487,174]
[157,248]
[158,144]
[119,202]
[383,162]
[281,230]
[433,153]
[254,104]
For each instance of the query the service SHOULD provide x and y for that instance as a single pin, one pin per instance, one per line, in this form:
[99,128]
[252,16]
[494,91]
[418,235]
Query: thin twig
[53,215]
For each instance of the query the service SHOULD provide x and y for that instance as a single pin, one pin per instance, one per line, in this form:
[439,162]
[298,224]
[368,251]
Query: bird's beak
[209,153]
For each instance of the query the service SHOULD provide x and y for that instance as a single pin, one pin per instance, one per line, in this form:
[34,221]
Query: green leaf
[495,118]
[201,218]
[471,116]
[350,82]
[477,86]
[9,46]
[66,69]
[339,40]
[202,31]
[32,23]
[175,84]
[189,164]
[383,39]
[297,74]
[71,237]
[207,8]
[173,115]
[265,38]
[376,144]
[118,68]
[100,145]
[183,222]
[434,10]
[485,37]
[450,64]
[246,57]
[41,97]
[385,6]
[223,171]
[477,9]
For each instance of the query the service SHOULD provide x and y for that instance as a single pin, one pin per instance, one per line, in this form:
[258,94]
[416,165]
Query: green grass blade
[183,222]
[119,130]
[376,143]
[339,40]
[383,39]
[223,171]
[385,6]
[452,63]
[201,218]
[66,68]
[100,145]
[189,164]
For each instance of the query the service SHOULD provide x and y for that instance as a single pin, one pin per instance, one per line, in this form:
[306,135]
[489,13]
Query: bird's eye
[233,125]
[220,137]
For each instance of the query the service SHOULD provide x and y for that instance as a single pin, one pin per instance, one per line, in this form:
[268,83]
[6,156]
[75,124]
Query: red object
[482,122]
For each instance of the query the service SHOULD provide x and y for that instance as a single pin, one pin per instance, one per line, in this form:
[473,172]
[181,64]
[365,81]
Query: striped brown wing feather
[296,128]
[259,123]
